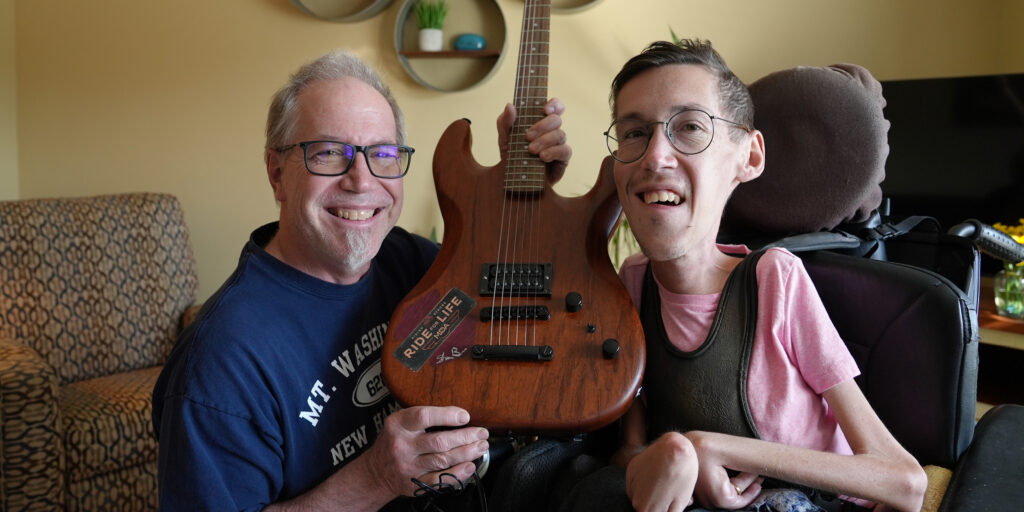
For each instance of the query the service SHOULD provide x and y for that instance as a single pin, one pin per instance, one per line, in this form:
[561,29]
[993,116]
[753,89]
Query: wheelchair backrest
[905,301]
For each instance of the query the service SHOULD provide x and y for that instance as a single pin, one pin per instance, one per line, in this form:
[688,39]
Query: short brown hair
[733,93]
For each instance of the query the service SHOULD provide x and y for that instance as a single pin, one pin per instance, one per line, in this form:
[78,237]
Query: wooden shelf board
[451,54]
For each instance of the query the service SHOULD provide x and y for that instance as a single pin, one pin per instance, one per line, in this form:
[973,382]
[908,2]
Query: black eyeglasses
[333,158]
[690,131]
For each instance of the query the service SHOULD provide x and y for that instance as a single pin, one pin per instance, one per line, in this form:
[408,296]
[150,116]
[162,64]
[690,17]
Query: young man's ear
[275,172]
[754,165]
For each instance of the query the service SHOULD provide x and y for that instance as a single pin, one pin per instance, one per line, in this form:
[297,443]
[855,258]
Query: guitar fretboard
[524,172]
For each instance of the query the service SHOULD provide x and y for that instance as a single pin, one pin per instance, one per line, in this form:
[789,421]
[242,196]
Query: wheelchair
[902,292]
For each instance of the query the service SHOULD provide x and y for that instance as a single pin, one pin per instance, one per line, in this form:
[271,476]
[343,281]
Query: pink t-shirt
[797,353]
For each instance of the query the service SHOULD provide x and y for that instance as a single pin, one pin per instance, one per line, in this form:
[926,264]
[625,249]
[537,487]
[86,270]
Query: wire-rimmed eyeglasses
[333,158]
[690,131]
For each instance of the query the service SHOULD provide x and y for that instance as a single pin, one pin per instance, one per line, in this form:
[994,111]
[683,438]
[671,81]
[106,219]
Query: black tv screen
[956,148]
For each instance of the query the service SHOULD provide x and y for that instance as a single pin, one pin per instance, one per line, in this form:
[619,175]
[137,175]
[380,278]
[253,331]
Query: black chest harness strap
[708,386]
[706,389]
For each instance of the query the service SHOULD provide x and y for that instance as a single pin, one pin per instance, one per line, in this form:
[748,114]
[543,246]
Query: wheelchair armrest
[988,474]
[32,443]
[938,481]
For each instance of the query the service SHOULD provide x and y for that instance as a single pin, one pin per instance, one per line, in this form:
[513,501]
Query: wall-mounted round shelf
[343,11]
[451,70]
[570,6]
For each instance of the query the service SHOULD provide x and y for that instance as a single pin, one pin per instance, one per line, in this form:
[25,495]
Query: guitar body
[460,339]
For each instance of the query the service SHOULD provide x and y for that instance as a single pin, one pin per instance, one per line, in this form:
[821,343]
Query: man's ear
[754,164]
[275,172]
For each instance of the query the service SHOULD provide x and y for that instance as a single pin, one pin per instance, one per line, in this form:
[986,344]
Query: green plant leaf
[431,13]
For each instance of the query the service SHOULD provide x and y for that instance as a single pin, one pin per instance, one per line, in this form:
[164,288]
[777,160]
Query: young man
[273,399]
[683,140]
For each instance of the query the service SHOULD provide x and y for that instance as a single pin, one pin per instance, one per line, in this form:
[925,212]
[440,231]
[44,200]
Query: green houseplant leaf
[431,13]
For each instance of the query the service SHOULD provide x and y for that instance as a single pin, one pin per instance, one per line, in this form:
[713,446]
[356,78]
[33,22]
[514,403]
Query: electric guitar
[522,319]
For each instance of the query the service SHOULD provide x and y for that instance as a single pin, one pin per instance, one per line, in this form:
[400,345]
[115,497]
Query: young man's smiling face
[674,201]
[332,226]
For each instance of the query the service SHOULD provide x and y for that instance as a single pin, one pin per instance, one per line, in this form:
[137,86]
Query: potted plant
[1009,282]
[431,15]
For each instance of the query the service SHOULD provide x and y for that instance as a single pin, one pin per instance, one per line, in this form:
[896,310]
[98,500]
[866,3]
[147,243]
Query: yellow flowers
[1015,232]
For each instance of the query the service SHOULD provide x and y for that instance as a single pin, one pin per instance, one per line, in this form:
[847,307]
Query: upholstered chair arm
[188,316]
[33,454]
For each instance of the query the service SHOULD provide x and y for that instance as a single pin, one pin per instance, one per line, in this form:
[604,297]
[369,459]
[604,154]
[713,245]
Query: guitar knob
[610,348]
[573,302]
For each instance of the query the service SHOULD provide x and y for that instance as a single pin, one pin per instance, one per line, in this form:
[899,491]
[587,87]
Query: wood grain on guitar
[522,319]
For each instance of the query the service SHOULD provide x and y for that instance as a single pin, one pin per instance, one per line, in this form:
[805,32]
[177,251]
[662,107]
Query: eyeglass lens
[328,158]
[689,131]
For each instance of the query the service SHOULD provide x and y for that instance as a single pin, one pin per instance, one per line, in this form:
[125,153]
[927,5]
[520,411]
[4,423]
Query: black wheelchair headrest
[825,150]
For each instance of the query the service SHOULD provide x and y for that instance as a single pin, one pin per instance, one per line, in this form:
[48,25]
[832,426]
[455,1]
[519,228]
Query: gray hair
[282,116]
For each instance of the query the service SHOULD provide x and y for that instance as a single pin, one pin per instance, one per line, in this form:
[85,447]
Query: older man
[273,397]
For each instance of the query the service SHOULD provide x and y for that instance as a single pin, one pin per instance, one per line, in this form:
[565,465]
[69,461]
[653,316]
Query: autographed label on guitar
[434,329]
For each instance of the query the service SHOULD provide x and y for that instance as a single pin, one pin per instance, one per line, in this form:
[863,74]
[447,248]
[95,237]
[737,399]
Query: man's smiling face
[332,226]
[675,201]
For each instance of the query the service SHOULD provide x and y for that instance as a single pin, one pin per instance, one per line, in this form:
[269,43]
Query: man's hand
[405,450]
[546,138]
[662,476]
[714,487]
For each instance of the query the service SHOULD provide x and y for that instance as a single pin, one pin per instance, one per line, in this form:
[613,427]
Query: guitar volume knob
[610,348]
[573,302]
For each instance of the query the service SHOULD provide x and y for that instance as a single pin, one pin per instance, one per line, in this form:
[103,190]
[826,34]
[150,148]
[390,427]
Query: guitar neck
[524,172]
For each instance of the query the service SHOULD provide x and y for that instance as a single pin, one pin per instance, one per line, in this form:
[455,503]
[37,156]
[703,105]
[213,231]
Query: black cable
[429,493]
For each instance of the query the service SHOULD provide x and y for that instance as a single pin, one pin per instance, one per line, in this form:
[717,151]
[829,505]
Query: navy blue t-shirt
[277,383]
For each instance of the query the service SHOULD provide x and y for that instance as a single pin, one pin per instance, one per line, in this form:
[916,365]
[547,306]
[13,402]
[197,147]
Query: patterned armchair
[92,295]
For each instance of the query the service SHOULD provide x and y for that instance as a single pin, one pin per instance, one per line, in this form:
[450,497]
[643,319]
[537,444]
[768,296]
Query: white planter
[430,39]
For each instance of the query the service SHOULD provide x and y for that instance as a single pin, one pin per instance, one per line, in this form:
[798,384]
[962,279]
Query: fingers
[459,453]
[505,120]
[446,448]
[549,142]
[663,476]
[738,492]
[744,482]
[423,442]
[547,132]
[748,488]
[463,472]
[546,138]
[421,418]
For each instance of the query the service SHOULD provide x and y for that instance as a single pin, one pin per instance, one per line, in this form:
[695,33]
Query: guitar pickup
[515,279]
[515,313]
[512,352]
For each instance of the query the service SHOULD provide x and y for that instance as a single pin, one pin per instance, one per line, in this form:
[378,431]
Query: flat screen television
[956,149]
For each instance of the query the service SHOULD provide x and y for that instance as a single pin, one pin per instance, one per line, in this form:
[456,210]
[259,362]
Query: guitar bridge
[515,279]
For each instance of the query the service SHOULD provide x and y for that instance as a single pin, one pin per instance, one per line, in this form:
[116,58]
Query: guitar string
[517,242]
[511,194]
[522,111]
[538,53]
[531,115]
[506,230]
[522,191]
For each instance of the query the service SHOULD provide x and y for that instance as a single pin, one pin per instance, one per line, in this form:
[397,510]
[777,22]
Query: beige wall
[172,96]
[8,107]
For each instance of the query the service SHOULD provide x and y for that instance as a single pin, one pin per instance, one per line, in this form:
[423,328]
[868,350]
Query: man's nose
[659,148]
[358,176]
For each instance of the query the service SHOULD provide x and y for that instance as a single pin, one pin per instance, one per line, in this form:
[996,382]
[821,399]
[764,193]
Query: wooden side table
[1001,355]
